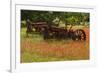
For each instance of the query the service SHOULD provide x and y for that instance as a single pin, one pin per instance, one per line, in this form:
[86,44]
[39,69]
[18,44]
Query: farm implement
[49,31]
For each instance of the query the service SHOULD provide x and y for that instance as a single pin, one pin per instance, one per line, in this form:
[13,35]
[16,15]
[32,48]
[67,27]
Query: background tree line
[55,18]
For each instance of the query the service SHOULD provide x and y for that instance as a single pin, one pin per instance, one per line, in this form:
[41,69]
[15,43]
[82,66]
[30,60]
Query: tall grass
[35,49]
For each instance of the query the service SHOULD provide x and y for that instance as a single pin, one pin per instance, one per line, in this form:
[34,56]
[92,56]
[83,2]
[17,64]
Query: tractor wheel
[45,34]
[80,35]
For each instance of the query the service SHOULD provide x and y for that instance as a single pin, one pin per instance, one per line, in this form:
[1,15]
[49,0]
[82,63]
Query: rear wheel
[45,33]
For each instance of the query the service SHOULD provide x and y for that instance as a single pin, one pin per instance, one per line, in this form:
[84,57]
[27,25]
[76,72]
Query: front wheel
[79,35]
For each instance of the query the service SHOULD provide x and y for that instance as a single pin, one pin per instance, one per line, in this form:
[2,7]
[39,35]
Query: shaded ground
[35,49]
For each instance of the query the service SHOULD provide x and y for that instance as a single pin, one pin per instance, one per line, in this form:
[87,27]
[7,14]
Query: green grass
[35,49]
[28,58]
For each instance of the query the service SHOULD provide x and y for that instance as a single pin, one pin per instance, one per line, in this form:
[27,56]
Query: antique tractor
[62,33]
[53,32]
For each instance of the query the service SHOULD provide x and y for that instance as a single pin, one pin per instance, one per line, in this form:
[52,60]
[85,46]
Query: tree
[50,16]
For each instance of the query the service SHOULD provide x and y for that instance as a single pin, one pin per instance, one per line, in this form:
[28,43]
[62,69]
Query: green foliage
[75,18]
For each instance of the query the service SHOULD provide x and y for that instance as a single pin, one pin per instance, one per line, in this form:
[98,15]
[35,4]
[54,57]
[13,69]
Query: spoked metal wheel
[80,35]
